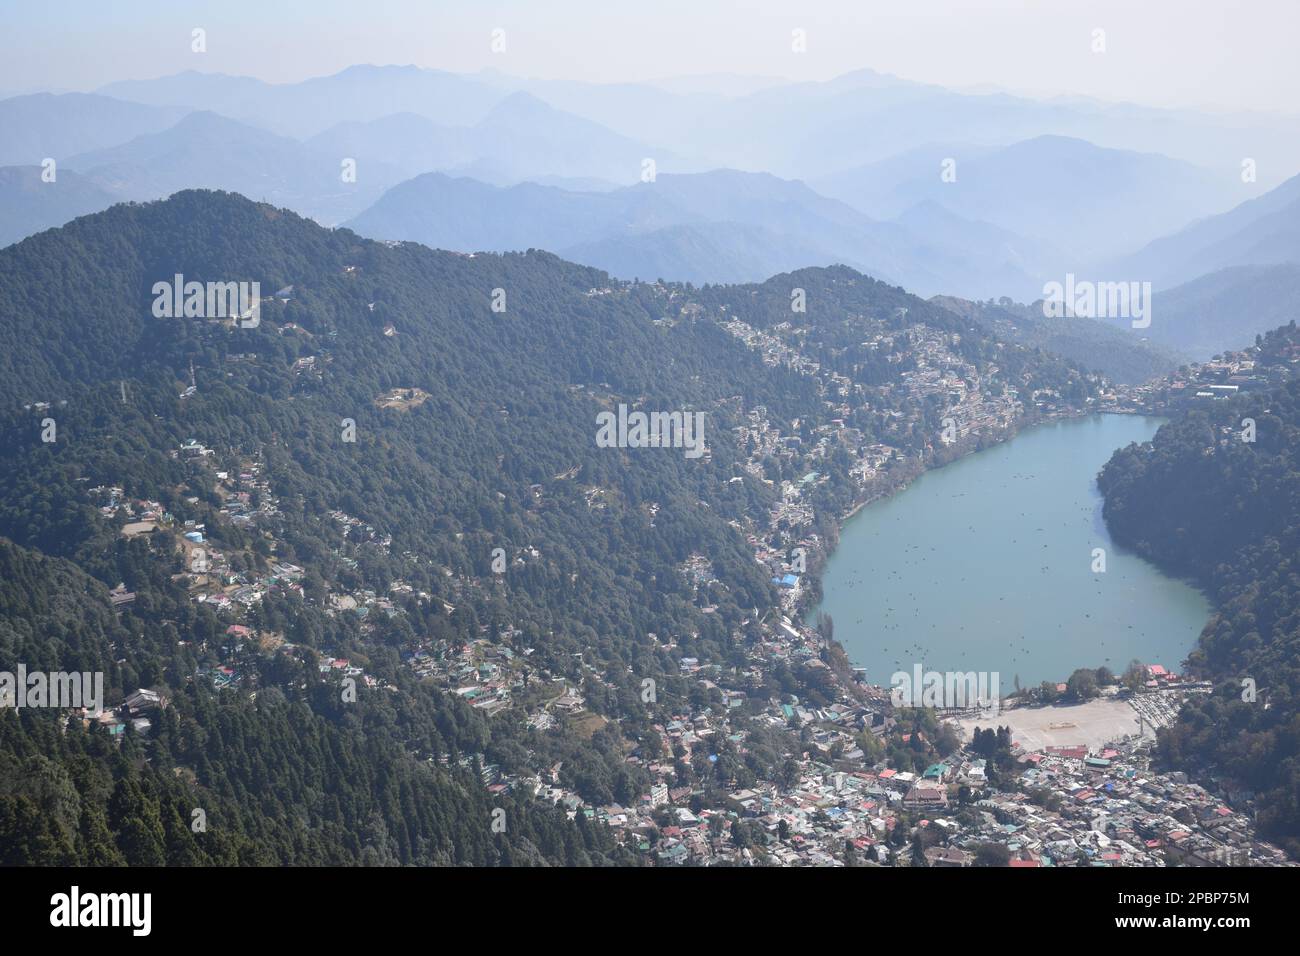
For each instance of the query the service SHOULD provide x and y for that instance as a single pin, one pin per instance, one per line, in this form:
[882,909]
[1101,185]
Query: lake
[986,565]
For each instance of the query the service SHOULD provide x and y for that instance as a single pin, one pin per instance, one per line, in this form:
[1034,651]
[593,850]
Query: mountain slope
[1200,501]
[523,136]
[718,226]
[362,92]
[328,792]
[1099,346]
[700,253]
[1087,200]
[1013,265]
[1261,231]
[29,204]
[876,188]
[207,150]
[796,130]
[1225,309]
[467,215]
[353,462]
[410,142]
[520,138]
[46,125]
[812,130]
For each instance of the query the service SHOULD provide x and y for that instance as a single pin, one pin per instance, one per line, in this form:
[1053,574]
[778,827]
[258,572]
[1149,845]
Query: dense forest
[498,453]
[1205,500]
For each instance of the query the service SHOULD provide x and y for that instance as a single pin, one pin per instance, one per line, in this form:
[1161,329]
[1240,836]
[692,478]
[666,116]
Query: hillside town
[841,796]
[1232,373]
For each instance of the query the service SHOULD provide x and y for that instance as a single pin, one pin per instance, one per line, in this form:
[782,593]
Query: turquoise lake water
[986,565]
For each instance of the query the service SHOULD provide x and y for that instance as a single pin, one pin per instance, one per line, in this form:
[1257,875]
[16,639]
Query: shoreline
[807,604]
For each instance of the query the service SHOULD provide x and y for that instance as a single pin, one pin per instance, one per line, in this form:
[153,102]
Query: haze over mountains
[521,137]
[816,129]
[1226,309]
[41,125]
[1223,279]
[30,205]
[303,109]
[1261,231]
[447,466]
[703,179]
[210,150]
[1077,196]
[497,450]
[720,226]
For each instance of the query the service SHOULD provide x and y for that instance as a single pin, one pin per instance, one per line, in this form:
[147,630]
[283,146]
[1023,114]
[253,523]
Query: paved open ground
[1094,723]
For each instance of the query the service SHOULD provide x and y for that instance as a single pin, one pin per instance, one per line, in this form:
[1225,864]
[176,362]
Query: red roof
[1076,752]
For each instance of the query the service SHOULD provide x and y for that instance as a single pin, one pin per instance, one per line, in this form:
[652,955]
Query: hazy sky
[1229,53]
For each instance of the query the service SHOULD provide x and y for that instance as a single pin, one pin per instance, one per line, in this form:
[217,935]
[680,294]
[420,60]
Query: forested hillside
[1216,312]
[280,779]
[1096,345]
[360,461]
[1202,501]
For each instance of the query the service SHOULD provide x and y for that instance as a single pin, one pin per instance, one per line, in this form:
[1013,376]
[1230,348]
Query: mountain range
[40,126]
[519,138]
[1260,231]
[689,180]
[803,130]
[1083,199]
[720,226]
[288,449]
[1223,279]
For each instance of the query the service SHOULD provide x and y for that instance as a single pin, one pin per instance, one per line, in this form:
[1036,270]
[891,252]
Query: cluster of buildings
[835,799]
[1107,807]
[139,516]
[137,709]
[1223,377]
[832,805]
[483,674]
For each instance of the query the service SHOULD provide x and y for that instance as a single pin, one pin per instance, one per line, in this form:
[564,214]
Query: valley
[810,413]
[733,437]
